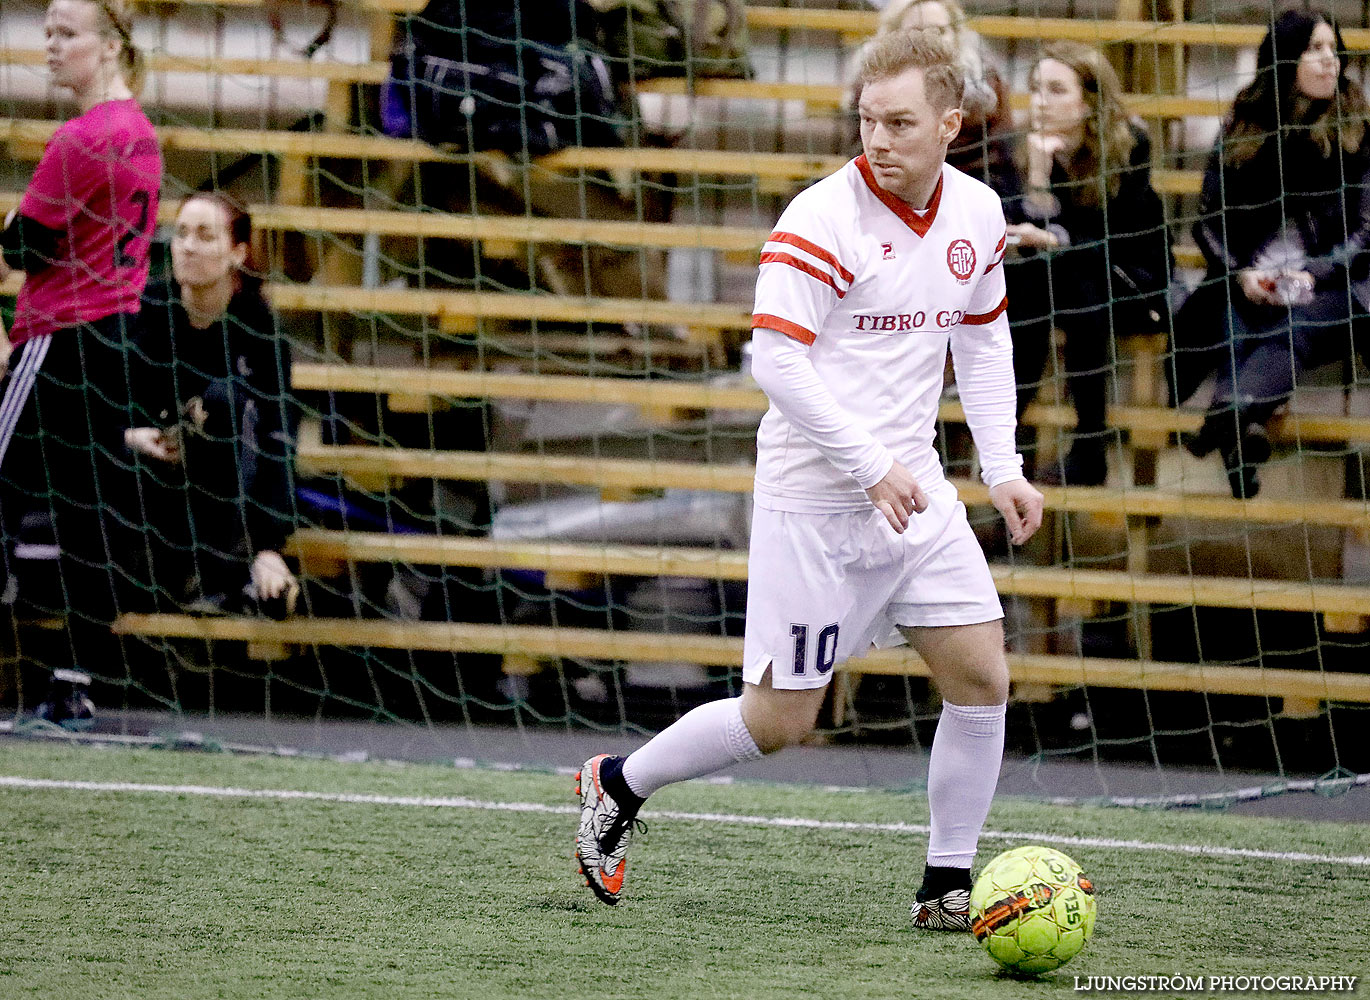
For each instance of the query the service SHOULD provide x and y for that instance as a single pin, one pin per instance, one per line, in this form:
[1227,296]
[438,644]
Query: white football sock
[700,742]
[964,768]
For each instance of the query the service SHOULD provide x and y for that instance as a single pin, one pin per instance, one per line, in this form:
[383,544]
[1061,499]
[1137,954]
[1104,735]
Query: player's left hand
[1021,504]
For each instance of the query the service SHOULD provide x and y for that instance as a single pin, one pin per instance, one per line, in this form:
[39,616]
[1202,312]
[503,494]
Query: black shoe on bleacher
[68,701]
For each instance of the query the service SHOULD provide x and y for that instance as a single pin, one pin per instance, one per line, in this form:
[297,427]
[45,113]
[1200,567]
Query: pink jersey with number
[98,183]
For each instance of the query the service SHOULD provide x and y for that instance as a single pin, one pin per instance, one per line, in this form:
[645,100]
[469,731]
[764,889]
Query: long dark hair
[239,232]
[1109,139]
[1271,103]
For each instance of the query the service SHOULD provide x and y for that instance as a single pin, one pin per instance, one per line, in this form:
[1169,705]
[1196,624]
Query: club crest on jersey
[887,251]
[961,260]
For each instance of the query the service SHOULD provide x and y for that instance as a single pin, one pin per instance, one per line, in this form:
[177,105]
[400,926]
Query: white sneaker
[947,912]
[604,833]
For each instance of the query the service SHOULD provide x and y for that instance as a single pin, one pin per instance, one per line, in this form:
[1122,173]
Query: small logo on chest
[887,251]
[961,260]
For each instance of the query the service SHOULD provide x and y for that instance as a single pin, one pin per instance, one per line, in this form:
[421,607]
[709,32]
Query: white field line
[461,802]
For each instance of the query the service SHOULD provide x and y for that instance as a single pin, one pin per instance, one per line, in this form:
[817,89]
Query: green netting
[585,238]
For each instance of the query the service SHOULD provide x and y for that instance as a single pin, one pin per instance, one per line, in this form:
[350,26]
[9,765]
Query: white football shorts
[821,588]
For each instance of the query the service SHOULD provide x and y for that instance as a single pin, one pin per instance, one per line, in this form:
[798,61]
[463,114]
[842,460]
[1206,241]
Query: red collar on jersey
[920,224]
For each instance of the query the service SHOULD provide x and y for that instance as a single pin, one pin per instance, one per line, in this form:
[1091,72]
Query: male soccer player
[857,537]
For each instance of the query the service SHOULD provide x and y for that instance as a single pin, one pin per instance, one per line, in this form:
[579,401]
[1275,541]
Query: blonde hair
[1108,140]
[892,17]
[116,21]
[979,96]
[889,54]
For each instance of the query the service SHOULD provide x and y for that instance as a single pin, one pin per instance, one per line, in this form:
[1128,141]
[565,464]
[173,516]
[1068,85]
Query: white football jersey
[879,291]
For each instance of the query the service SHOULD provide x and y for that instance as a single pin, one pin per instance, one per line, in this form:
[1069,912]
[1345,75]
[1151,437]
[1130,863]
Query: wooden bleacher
[817,96]
[1302,690]
[371,464]
[1292,427]
[764,17]
[27,137]
[318,547]
[774,171]
[503,236]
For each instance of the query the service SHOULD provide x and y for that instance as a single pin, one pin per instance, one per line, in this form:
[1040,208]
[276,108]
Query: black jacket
[172,362]
[1288,189]
[1119,250]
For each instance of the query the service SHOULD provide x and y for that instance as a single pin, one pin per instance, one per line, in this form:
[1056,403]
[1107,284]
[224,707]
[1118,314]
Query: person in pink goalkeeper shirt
[81,235]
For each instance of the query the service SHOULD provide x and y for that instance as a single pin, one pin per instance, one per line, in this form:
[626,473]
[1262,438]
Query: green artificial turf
[112,894]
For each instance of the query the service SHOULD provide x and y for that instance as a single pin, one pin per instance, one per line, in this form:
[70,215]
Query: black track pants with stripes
[62,418]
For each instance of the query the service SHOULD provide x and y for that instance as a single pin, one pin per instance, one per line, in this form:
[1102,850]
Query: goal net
[513,256]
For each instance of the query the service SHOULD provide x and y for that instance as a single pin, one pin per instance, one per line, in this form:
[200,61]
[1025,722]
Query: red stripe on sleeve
[998,253]
[980,319]
[814,249]
[771,257]
[792,330]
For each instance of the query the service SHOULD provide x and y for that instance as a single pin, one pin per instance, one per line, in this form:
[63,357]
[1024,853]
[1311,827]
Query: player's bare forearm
[1021,505]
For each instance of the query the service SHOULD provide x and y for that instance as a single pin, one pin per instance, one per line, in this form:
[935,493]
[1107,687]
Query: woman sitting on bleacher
[1093,255]
[1284,224]
[212,377]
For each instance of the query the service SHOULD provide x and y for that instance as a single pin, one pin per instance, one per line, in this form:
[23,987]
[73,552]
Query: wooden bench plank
[642,474]
[1286,428]
[777,166]
[1289,428]
[241,142]
[603,473]
[507,305]
[827,96]
[490,553]
[830,96]
[519,228]
[511,229]
[505,385]
[1173,590]
[1082,29]
[166,62]
[493,305]
[373,6]
[856,23]
[593,644]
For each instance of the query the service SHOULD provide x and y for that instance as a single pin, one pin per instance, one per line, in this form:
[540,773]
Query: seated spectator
[212,376]
[984,147]
[1093,255]
[1283,227]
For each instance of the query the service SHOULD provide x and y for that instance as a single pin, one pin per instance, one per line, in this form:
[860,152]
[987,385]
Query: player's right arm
[34,231]
[781,367]
[800,282]
[27,245]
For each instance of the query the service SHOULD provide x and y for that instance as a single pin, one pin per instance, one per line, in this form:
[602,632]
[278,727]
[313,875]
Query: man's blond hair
[895,52]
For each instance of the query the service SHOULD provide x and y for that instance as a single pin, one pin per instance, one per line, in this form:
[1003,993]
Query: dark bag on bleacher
[694,38]
[486,77]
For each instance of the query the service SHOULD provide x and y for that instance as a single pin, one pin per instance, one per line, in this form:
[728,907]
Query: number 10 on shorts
[825,653]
